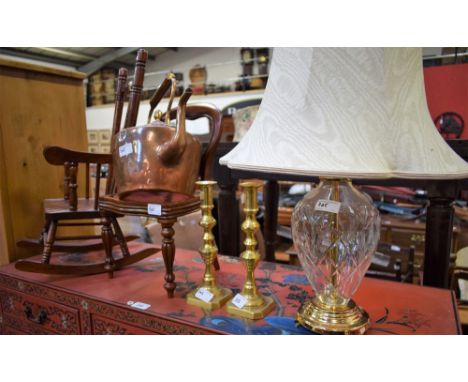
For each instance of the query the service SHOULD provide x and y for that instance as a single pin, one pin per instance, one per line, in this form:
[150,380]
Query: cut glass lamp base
[326,319]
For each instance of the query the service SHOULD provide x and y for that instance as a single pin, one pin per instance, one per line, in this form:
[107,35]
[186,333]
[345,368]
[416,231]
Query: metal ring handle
[41,317]
[169,81]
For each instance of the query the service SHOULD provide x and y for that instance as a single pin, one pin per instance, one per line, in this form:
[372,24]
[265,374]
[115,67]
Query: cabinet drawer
[404,238]
[102,325]
[22,326]
[42,314]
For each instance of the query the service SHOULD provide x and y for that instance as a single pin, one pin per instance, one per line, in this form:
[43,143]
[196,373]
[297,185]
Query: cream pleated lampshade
[346,112]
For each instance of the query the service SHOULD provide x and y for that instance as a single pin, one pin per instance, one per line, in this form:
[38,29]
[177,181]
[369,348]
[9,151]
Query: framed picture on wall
[104,136]
[105,149]
[93,148]
[93,137]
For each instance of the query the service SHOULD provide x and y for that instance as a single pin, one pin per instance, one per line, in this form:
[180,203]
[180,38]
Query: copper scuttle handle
[170,152]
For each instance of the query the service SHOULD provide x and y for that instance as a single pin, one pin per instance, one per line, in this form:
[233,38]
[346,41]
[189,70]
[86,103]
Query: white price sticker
[395,248]
[125,149]
[239,300]
[154,209]
[140,305]
[204,295]
[328,206]
[381,260]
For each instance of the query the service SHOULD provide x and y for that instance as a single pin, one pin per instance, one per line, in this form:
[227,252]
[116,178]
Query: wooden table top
[394,308]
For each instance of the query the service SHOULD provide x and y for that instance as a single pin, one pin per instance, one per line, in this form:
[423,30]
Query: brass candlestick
[253,305]
[208,252]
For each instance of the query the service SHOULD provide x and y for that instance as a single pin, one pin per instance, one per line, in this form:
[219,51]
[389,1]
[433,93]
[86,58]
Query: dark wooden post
[270,202]
[107,239]
[228,216]
[136,89]
[72,185]
[66,181]
[439,231]
[228,207]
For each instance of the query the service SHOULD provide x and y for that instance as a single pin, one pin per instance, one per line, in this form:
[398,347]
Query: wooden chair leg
[120,237]
[168,252]
[45,230]
[49,242]
[107,239]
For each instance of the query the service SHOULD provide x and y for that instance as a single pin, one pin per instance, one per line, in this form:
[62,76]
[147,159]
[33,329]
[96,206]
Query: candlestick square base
[252,312]
[220,297]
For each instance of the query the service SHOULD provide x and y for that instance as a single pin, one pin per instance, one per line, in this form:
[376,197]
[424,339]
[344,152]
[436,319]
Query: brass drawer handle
[418,238]
[41,317]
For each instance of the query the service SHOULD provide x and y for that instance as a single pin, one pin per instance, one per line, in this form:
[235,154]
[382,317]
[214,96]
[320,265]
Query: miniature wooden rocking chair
[59,212]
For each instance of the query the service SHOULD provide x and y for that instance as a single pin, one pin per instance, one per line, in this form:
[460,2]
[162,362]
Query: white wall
[186,58]
[223,68]
[431,51]
[100,117]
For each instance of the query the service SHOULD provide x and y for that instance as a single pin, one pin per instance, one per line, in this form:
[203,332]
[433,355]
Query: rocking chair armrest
[57,156]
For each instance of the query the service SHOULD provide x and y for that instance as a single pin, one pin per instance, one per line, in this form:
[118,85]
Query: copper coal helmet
[158,156]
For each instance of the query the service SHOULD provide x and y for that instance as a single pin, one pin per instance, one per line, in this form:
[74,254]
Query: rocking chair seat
[173,205]
[61,208]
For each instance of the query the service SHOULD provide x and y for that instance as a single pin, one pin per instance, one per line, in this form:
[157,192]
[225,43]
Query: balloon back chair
[157,180]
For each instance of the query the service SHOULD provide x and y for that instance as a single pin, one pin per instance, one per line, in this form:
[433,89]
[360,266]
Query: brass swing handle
[41,317]
[171,82]
[170,152]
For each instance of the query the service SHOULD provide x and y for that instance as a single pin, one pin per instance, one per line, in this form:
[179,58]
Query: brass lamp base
[325,319]
[252,312]
[220,297]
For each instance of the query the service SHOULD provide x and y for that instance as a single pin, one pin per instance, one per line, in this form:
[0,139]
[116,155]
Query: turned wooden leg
[107,240]
[66,181]
[45,230]
[168,252]
[49,242]
[73,186]
[120,237]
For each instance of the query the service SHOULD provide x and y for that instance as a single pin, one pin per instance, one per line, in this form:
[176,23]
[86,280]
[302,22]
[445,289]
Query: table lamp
[342,114]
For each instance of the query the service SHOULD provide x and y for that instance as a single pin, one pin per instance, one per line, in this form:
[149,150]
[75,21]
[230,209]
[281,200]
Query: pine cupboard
[39,106]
